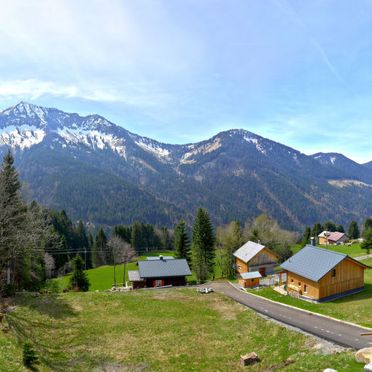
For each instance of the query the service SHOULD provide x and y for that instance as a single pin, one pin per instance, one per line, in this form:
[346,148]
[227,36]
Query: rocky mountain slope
[103,173]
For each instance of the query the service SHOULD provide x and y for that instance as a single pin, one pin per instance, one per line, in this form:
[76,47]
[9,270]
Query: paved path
[332,330]
[361,258]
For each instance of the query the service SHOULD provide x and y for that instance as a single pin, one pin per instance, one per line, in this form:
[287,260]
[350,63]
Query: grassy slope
[162,330]
[355,308]
[353,250]
[102,278]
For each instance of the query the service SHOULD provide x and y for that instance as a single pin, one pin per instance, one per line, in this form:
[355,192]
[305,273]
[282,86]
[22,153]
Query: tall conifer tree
[203,246]
[181,241]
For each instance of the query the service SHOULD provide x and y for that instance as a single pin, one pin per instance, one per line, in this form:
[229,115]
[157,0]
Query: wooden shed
[250,279]
[255,257]
[322,275]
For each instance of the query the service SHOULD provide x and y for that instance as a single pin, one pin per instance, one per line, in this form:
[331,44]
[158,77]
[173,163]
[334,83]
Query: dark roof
[163,268]
[313,262]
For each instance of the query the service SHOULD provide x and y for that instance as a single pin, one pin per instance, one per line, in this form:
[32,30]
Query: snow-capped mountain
[101,172]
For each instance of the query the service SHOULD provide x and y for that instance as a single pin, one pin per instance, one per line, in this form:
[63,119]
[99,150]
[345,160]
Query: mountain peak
[26,109]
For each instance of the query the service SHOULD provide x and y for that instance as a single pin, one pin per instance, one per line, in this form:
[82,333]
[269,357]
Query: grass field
[102,278]
[355,308]
[154,330]
[353,250]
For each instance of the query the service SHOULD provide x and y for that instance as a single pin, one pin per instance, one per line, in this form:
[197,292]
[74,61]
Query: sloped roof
[313,262]
[248,251]
[251,275]
[152,258]
[163,268]
[336,236]
[133,276]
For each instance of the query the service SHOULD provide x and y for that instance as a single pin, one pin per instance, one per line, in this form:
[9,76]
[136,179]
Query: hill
[102,173]
[158,330]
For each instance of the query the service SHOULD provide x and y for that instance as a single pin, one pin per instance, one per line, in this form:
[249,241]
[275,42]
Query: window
[334,273]
[299,284]
[305,288]
[252,280]
[291,280]
[158,283]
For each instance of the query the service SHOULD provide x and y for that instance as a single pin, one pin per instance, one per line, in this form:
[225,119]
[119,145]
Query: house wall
[323,240]
[246,283]
[265,257]
[174,280]
[302,286]
[349,275]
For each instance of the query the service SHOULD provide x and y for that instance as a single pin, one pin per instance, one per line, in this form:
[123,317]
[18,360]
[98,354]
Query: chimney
[312,241]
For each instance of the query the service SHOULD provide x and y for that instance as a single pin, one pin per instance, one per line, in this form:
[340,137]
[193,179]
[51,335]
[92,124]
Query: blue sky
[298,72]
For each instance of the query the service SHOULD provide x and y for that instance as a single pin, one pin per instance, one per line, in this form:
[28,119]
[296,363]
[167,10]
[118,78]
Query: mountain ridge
[235,174]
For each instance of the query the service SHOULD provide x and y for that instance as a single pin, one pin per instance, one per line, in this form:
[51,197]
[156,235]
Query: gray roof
[163,268]
[248,251]
[313,262]
[134,276]
[251,275]
[151,258]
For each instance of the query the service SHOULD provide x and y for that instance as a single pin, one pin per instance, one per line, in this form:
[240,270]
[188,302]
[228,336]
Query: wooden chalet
[159,272]
[332,238]
[254,257]
[322,275]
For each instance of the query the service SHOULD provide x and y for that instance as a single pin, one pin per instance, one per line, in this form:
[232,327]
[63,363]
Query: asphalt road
[340,333]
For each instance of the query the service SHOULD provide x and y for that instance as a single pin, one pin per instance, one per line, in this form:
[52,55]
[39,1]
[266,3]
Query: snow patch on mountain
[258,145]
[93,139]
[153,148]
[23,136]
[200,150]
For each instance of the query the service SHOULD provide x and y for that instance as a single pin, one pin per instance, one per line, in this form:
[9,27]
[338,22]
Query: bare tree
[122,252]
[49,265]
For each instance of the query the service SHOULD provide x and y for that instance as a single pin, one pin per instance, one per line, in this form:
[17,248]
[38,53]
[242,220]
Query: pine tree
[82,244]
[30,358]
[203,246]
[136,237]
[367,241]
[317,229]
[368,224]
[329,226]
[79,280]
[181,241]
[306,236]
[101,253]
[353,231]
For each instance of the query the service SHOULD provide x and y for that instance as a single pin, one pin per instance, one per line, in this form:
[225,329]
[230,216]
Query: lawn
[353,250]
[154,330]
[355,308]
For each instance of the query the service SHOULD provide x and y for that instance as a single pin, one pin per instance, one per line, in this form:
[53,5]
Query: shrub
[30,359]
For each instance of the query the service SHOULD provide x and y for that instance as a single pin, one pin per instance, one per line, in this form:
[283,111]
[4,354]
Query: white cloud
[32,89]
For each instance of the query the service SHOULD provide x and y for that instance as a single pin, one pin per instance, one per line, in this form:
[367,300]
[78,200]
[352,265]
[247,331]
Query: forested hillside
[103,174]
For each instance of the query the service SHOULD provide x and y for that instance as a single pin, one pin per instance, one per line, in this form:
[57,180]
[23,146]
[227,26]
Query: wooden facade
[348,275]
[263,262]
[247,283]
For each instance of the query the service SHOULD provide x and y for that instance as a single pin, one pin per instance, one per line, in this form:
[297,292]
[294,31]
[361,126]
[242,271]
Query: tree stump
[248,359]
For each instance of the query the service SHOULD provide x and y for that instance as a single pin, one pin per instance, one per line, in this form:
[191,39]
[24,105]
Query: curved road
[338,332]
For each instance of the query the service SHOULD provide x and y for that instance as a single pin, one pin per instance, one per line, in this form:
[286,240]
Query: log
[366,334]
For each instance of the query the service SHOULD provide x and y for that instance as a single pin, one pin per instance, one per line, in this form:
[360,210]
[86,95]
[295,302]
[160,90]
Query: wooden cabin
[252,262]
[323,275]
[250,279]
[159,272]
[328,237]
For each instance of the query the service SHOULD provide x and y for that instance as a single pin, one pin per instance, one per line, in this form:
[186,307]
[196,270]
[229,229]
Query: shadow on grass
[52,305]
[37,319]
[363,295]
